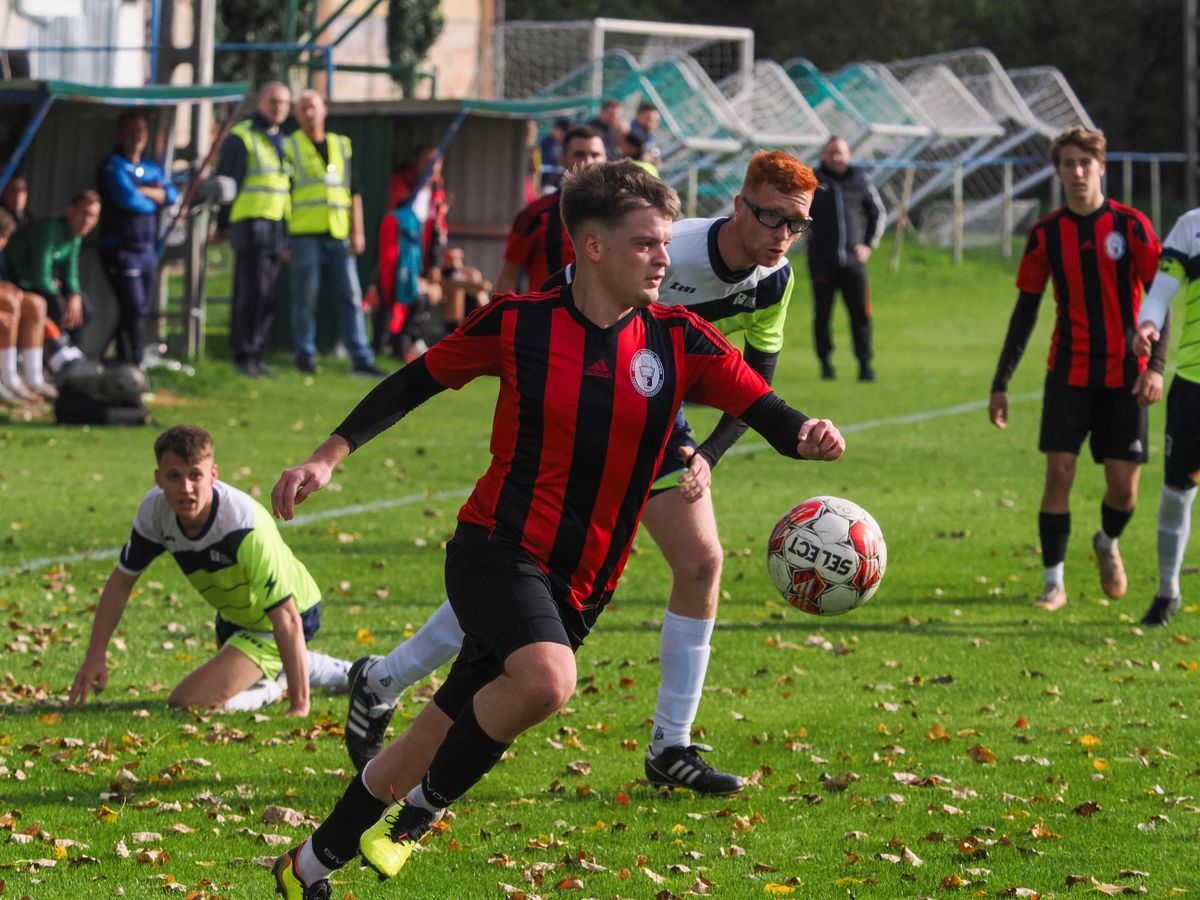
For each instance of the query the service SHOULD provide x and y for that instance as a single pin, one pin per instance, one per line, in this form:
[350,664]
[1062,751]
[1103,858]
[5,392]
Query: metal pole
[26,139]
[958,215]
[1127,181]
[1055,192]
[693,189]
[155,29]
[1191,104]
[1006,237]
[1156,194]
[902,217]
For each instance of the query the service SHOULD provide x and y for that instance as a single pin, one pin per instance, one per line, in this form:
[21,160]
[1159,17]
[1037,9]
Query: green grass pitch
[947,739]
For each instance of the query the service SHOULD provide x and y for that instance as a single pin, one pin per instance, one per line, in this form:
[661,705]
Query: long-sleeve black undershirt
[1021,325]
[389,402]
[729,429]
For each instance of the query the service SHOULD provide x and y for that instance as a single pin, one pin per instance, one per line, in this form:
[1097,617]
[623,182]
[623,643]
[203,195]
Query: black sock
[1113,521]
[1054,529]
[467,754]
[335,842]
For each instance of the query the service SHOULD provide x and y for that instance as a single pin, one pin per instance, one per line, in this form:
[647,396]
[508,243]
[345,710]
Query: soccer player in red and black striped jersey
[538,243]
[591,376]
[1099,254]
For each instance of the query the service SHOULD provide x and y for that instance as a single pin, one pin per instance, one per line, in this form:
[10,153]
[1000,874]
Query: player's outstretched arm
[93,674]
[297,483]
[289,638]
[820,439]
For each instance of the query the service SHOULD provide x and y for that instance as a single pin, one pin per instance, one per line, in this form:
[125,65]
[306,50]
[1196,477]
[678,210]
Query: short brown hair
[782,171]
[190,443]
[8,223]
[85,198]
[1090,141]
[605,192]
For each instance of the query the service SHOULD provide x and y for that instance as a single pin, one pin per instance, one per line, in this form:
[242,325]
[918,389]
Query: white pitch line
[355,509]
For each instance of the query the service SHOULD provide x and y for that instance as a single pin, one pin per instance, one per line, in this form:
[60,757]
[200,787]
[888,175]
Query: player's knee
[702,567]
[546,687]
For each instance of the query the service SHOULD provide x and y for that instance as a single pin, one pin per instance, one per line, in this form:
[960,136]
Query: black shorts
[504,601]
[1181,456]
[1118,426]
[672,465]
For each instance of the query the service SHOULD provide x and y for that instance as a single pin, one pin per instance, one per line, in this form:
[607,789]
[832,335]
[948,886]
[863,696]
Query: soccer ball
[826,556]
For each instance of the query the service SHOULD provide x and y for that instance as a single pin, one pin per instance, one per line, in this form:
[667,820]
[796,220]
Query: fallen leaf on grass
[1088,808]
[981,754]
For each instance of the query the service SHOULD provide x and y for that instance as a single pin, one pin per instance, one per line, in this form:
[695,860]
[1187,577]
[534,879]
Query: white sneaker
[16,388]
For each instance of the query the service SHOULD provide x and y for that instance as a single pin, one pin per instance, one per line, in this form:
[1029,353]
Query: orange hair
[783,172]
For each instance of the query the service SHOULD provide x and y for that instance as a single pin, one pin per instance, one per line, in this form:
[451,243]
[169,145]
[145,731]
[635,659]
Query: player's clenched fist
[820,439]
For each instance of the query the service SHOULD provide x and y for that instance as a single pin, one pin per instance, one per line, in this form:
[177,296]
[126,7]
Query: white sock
[1054,575]
[435,643]
[31,365]
[327,671]
[416,797]
[8,366]
[1174,526]
[683,652]
[308,867]
[258,695]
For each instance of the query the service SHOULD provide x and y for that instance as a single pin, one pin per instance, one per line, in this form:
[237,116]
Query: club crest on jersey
[1114,245]
[647,373]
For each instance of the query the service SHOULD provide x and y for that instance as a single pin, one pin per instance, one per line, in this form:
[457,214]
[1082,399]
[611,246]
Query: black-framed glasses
[772,220]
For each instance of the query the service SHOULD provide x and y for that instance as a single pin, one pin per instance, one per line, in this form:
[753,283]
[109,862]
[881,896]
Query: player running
[733,272]
[268,606]
[543,538]
[1099,254]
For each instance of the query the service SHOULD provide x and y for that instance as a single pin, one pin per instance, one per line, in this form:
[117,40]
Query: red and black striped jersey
[1099,264]
[538,241]
[581,422]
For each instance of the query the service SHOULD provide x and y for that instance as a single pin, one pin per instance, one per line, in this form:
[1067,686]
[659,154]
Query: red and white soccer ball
[826,556]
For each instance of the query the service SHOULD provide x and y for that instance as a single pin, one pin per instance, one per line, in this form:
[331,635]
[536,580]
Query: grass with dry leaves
[946,739]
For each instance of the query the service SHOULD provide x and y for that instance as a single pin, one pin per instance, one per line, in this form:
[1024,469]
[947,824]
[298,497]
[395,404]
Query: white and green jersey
[752,300]
[238,563]
[1180,263]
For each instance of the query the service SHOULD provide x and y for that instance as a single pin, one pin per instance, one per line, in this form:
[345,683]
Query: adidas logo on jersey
[598,369]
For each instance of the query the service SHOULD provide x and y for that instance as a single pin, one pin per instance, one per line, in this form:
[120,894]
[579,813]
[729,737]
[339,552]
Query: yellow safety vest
[320,190]
[264,190]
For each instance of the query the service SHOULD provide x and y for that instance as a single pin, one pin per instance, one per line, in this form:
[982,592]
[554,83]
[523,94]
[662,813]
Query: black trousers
[255,276]
[856,292]
[133,275]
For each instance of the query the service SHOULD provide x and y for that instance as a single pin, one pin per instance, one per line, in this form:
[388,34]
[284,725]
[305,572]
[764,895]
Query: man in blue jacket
[133,190]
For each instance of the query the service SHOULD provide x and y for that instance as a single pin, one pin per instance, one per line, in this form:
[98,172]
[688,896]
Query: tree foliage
[259,22]
[412,27]
[1124,59]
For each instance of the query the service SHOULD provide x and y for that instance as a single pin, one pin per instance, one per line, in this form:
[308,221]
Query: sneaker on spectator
[366,369]
[46,390]
[305,364]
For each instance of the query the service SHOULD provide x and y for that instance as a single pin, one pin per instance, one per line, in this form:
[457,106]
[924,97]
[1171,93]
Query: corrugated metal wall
[484,169]
[103,23]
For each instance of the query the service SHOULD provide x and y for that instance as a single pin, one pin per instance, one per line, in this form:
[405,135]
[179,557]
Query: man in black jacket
[848,221]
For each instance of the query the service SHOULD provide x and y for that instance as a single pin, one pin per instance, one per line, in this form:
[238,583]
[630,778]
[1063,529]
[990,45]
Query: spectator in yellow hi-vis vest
[256,224]
[326,229]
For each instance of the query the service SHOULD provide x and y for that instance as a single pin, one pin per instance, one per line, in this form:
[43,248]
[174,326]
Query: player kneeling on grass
[591,376]
[268,606]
